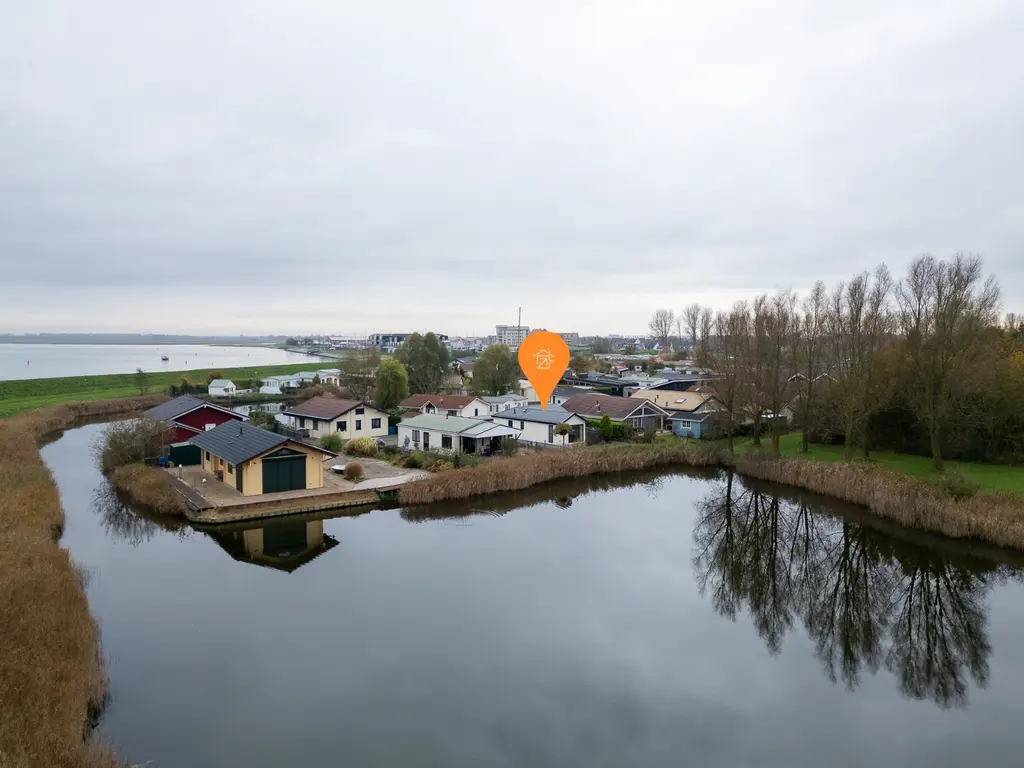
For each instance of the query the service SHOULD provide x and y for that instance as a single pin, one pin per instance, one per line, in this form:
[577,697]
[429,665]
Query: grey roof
[454,425]
[172,409]
[554,414]
[570,391]
[498,399]
[236,442]
[221,382]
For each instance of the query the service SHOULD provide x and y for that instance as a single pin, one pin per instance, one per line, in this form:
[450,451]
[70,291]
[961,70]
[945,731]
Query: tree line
[924,364]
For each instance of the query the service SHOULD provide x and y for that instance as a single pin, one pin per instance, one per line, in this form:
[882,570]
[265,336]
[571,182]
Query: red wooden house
[186,417]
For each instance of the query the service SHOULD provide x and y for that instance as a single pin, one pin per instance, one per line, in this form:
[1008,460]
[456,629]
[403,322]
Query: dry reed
[149,487]
[516,473]
[51,673]
[995,518]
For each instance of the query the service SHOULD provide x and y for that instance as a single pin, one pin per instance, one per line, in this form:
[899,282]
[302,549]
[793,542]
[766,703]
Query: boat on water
[165,358]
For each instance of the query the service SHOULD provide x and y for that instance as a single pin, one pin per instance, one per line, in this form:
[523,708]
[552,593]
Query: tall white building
[511,335]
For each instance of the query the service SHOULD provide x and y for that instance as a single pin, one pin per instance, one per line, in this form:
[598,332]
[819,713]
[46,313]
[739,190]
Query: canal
[645,621]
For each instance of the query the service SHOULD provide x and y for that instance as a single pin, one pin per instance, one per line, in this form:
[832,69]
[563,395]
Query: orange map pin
[544,356]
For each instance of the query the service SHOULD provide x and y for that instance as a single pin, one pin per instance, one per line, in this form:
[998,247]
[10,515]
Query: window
[551,433]
[476,411]
[231,469]
[360,411]
[510,422]
[430,409]
[302,423]
[684,424]
[207,455]
[415,435]
[359,424]
[522,425]
[374,423]
[446,441]
[342,426]
[638,422]
[426,440]
[452,412]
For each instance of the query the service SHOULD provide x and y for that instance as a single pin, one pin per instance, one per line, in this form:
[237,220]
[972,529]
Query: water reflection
[866,599]
[284,545]
[123,521]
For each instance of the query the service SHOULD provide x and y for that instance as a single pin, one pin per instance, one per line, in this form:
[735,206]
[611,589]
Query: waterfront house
[280,384]
[222,388]
[499,403]
[685,402]
[639,413]
[458,434]
[451,405]
[255,461]
[537,426]
[326,415]
[187,416]
[561,394]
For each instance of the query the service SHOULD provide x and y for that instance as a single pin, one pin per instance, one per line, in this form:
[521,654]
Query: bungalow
[278,385]
[222,388]
[327,415]
[690,412]
[458,434]
[187,416]
[451,405]
[640,413]
[255,461]
[561,394]
[537,426]
[499,403]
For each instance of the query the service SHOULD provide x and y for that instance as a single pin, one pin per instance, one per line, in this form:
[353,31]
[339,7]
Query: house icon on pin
[544,359]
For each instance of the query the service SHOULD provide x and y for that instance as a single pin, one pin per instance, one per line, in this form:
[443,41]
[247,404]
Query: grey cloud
[358,166]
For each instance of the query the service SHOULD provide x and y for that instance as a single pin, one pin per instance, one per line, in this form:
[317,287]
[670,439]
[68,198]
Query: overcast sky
[253,166]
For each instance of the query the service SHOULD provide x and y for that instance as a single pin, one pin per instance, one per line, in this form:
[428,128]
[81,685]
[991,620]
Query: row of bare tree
[850,349]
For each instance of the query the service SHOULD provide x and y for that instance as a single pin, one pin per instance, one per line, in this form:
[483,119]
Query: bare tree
[859,323]
[808,348]
[727,357]
[662,322]
[781,328]
[756,364]
[707,322]
[691,319]
[943,311]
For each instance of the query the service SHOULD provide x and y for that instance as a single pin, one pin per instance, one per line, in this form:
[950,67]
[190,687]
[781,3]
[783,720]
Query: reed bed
[51,674]
[149,487]
[994,518]
[517,473]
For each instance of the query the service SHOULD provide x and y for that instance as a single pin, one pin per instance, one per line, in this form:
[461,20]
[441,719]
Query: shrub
[607,428]
[509,446]
[354,471]
[361,446]
[148,486]
[441,465]
[128,442]
[214,375]
[465,460]
[331,442]
[412,461]
[957,485]
[263,419]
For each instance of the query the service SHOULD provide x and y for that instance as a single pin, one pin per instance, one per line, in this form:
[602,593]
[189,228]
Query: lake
[44,361]
[656,620]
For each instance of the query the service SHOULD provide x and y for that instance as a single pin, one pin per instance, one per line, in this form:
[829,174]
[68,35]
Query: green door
[287,473]
[239,471]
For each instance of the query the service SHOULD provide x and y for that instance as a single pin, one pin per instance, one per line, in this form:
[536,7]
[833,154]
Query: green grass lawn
[990,477]
[23,394]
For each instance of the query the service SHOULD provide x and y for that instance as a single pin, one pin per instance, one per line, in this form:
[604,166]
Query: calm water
[43,361]
[675,621]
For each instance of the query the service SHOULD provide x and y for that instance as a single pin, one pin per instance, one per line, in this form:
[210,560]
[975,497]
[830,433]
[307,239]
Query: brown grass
[994,518]
[149,487]
[516,473]
[51,673]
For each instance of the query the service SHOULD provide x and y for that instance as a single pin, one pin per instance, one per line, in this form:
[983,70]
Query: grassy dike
[25,394]
[51,672]
[996,518]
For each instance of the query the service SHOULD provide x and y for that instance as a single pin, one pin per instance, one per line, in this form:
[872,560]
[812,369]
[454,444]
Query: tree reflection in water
[124,522]
[866,598]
